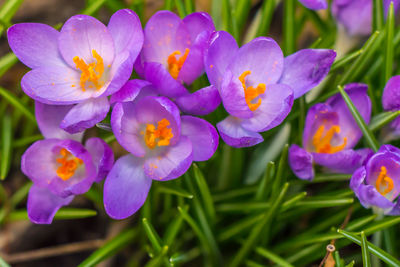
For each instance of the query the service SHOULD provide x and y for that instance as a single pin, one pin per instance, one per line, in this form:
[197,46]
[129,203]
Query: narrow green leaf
[380,253]
[13,100]
[20,194]
[181,8]
[242,9]
[6,62]
[62,214]
[6,149]
[389,46]
[174,190]
[152,235]
[324,203]
[289,27]
[262,192]
[273,257]
[109,139]
[351,264]
[369,137]
[93,7]
[377,17]
[173,229]
[331,177]
[238,227]
[110,248]
[226,15]
[205,194]
[382,224]
[337,258]
[168,4]
[364,250]
[7,11]
[345,60]
[234,194]
[267,12]
[189,6]
[278,180]
[3,263]
[380,120]
[26,140]
[292,201]
[250,263]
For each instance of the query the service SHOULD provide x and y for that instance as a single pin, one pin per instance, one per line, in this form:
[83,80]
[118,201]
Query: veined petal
[129,91]
[201,102]
[120,72]
[391,94]
[301,162]
[102,155]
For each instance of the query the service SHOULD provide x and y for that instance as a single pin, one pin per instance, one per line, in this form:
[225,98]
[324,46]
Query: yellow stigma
[175,65]
[69,164]
[384,184]
[91,72]
[159,136]
[322,143]
[251,93]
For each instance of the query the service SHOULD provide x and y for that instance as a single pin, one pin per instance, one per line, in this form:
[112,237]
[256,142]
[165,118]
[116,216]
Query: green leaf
[330,177]
[189,6]
[273,257]
[7,11]
[152,235]
[181,8]
[267,12]
[3,263]
[174,190]
[242,9]
[351,264]
[324,203]
[364,250]
[337,258]
[13,100]
[26,140]
[6,62]
[389,46]
[205,194]
[62,214]
[6,149]
[382,224]
[380,120]
[369,137]
[110,248]
[263,189]
[173,229]
[289,27]
[20,194]
[345,60]
[380,253]
[377,16]
[282,166]
[93,7]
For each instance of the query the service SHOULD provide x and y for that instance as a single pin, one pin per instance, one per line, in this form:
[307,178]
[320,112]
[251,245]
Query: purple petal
[43,204]
[306,68]
[49,118]
[171,163]
[355,15]
[357,178]
[263,57]
[203,136]
[82,34]
[315,4]
[126,31]
[219,55]
[200,103]
[158,75]
[125,188]
[391,94]
[276,104]
[235,135]
[301,162]
[197,23]
[129,91]
[85,115]
[55,86]
[369,196]
[35,44]
[120,72]
[395,211]
[102,155]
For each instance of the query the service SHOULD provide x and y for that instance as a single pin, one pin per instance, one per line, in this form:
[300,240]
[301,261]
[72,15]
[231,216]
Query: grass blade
[205,194]
[377,17]
[174,190]
[288,27]
[6,150]
[152,235]
[273,257]
[380,120]
[364,250]
[267,12]
[62,214]
[389,46]
[14,101]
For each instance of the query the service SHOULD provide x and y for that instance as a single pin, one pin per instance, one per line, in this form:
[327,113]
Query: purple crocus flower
[81,65]
[172,56]
[314,4]
[59,166]
[356,15]
[257,84]
[162,144]
[377,182]
[330,134]
[391,102]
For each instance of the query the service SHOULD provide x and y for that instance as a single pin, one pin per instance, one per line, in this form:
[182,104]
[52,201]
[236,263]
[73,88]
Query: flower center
[384,184]
[91,72]
[251,93]
[322,143]
[159,136]
[69,164]
[175,65]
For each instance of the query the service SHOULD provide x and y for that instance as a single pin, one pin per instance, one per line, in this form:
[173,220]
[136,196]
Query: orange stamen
[175,65]
[251,93]
[384,184]
[91,72]
[69,164]
[322,143]
[159,136]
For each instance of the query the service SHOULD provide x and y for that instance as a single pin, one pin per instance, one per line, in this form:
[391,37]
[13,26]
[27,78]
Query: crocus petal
[219,54]
[197,23]
[43,204]
[391,94]
[201,102]
[54,85]
[164,33]
[306,68]
[171,163]
[263,57]
[49,118]
[356,16]
[235,135]
[35,44]
[345,161]
[276,103]
[127,128]
[120,72]
[369,196]
[82,34]
[395,211]
[85,115]
[125,188]
[102,155]
[301,163]
[126,31]
[203,136]
[158,75]
[129,91]
[315,4]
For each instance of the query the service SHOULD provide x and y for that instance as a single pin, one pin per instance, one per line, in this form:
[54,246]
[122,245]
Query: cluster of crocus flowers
[330,134]
[391,102]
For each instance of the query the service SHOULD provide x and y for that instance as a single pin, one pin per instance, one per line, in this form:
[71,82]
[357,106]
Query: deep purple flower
[80,66]
[162,144]
[356,15]
[391,102]
[257,84]
[60,167]
[172,56]
[330,134]
[377,182]
[315,4]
